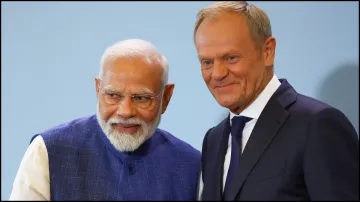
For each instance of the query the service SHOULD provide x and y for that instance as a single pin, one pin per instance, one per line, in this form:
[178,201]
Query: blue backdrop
[51,53]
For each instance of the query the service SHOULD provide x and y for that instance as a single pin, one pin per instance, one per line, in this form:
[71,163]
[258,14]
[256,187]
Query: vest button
[131,169]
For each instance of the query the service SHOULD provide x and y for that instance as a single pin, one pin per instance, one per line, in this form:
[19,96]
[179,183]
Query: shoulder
[36,148]
[310,105]
[32,178]
[214,133]
[66,131]
[313,109]
[321,118]
[177,144]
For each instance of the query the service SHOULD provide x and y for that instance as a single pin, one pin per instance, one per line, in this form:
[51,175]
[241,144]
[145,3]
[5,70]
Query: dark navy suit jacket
[299,149]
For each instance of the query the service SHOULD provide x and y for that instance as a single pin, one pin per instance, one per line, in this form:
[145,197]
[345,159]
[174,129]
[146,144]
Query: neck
[261,86]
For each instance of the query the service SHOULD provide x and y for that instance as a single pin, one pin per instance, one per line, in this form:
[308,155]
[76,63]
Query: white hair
[135,48]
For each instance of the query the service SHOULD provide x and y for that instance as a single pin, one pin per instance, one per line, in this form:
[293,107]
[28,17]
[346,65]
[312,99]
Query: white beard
[128,142]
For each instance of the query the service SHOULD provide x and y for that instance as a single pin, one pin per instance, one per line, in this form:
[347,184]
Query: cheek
[252,76]
[206,76]
[148,115]
[244,77]
[240,70]
[245,72]
[107,112]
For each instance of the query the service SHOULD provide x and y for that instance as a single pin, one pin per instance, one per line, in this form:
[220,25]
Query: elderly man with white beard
[119,153]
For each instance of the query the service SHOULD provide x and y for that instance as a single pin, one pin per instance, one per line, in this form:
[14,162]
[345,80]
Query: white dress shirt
[252,111]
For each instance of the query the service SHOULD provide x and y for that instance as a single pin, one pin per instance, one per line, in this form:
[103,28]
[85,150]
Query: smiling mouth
[126,128]
[222,86]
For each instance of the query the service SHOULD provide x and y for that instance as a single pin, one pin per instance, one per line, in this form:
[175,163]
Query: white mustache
[126,121]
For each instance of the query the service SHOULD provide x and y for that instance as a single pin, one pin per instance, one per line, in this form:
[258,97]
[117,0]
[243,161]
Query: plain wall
[51,53]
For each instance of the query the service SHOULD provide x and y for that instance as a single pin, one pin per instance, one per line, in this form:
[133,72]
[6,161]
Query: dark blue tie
[237,127]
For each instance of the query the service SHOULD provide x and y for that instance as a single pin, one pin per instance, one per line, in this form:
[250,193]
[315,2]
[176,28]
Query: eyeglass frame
[151,97]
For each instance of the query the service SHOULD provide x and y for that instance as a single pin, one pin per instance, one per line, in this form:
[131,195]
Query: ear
[97,86]
[167,96]
[269,51]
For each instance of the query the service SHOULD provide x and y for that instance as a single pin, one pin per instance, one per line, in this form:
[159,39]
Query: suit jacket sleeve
[331,157]
[203,153]
[202,169]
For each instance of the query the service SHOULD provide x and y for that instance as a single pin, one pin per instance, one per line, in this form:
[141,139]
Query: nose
[220,71]
[126,109]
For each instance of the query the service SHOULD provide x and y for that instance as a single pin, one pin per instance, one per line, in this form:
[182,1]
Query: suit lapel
[221,156]
[213,187]
[266,128]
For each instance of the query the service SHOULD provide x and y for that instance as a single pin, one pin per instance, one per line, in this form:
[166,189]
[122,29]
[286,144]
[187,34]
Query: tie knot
[238,124]
[240,120]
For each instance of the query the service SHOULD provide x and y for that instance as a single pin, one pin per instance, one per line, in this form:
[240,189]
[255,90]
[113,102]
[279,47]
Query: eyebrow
[142,91]
[221,55]
[112,89]
[201,57]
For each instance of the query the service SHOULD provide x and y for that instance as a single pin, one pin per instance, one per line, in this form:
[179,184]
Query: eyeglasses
[144,100]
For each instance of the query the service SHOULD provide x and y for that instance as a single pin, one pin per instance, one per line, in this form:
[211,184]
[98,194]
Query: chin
[226,103]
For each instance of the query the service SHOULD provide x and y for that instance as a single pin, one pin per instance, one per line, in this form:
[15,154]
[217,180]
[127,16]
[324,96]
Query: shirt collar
[256,107]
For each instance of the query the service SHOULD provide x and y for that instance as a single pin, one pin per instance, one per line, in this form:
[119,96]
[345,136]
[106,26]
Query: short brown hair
[257,20]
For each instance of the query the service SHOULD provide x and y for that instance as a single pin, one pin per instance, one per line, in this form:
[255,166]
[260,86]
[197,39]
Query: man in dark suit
[276,144]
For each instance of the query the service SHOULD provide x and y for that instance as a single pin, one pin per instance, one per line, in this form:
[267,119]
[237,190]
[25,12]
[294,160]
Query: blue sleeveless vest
[83,165]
